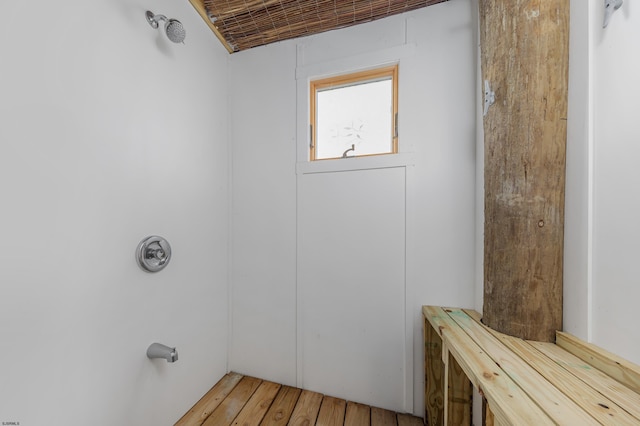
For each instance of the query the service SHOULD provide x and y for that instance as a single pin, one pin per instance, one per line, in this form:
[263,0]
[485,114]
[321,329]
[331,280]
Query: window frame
[351,79]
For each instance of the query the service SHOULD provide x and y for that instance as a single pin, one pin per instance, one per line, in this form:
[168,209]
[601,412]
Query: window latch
[353,148]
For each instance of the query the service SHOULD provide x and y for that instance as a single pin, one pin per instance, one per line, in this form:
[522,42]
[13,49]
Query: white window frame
[305,73]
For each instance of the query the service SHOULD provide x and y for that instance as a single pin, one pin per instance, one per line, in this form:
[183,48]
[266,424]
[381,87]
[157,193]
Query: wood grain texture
[592,377]
[408,420]
[231,406]
[357,415]
[380,417]
[331,412]
[509,403]
[487,414]
[307,408]
[257,406]
[525,58]
[282,407]
[210,401]
[572,382]
[459,394]
[248,401]
[617,367]
[552,400]
[596,404]
[434,376]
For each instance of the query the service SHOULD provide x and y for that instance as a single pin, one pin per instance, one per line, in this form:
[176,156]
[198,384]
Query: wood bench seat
[523,382]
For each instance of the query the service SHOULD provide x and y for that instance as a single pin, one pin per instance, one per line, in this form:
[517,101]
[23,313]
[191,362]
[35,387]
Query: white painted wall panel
[108,134]
[616,229]
[263,251]
[351,284]
[578,186]
[437,138]
[601,283]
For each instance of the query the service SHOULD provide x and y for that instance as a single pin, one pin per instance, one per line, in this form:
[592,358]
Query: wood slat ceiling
[243,24]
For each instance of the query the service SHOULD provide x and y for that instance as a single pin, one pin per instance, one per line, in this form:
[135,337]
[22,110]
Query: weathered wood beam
[524,46]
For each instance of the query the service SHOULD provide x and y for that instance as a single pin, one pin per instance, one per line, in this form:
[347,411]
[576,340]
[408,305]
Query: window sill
[355,163]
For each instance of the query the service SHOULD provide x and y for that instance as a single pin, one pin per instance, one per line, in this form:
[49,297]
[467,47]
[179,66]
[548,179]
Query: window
[355,115]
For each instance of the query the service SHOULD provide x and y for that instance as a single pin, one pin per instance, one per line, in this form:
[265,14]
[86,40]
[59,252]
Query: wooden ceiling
[243,24]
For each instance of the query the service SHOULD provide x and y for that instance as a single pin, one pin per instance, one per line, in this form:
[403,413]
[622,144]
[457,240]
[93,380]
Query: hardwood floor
[248,401]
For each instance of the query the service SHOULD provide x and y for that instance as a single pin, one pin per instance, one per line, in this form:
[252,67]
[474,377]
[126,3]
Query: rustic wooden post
[524,46]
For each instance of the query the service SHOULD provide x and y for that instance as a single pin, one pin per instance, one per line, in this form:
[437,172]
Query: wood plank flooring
[248,401]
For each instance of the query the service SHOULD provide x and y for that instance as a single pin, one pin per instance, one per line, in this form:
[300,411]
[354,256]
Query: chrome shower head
[175,31]
[172,27]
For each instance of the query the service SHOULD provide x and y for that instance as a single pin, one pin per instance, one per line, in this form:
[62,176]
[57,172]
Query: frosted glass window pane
[360,115]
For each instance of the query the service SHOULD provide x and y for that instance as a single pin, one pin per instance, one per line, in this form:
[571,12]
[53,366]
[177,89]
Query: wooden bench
[522,382]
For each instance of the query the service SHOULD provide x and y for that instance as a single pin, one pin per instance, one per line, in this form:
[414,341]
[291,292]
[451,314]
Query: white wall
[437,134]
[351,285]
[579,171]
[601,281]
[109,133]
[263,273]
[616,177]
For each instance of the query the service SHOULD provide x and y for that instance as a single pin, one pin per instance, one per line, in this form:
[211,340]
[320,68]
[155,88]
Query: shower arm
[155,19]
[172,27]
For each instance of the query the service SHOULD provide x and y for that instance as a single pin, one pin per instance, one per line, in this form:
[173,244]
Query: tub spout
[158,350]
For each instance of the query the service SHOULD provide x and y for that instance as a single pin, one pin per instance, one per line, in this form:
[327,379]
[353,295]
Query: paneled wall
[604,204]
[284,212]
[616,178]
[108,134]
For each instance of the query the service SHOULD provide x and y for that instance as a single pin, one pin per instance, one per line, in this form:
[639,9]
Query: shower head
[172,27]
[175,31]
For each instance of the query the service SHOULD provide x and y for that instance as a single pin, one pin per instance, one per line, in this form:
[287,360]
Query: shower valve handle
[156,254]
[153,253]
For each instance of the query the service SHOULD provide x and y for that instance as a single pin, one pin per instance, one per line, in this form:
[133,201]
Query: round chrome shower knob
[153,254]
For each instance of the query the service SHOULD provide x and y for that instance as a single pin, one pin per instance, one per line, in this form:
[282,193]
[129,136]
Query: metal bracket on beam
[489,97]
